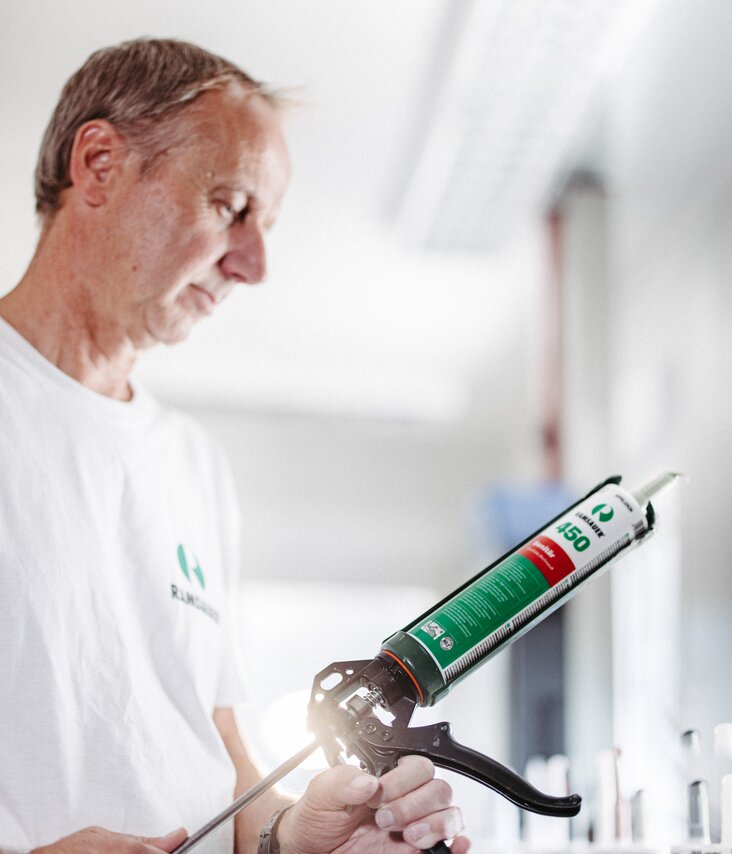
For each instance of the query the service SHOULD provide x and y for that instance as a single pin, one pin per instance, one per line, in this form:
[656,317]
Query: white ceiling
[354,318]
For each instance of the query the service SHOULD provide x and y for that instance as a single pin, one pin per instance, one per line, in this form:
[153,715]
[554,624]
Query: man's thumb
[339,787]
[169,842]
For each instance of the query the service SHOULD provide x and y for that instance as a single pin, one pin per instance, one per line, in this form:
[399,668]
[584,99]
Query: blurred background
[502,274]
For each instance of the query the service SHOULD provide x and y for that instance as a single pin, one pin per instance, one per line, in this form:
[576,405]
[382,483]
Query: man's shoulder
[20,390]
[181,422]
[191,437]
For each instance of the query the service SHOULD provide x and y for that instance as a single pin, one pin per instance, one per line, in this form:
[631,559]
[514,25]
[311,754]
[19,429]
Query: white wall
[669,174]
[356,499]
[666,137]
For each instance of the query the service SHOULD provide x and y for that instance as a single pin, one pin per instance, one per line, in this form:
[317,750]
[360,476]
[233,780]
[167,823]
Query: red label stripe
[550,559]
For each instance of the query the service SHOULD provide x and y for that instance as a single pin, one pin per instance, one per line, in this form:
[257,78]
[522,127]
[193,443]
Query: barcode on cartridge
[604,556]
[531,613]
[521,622]
[639,529]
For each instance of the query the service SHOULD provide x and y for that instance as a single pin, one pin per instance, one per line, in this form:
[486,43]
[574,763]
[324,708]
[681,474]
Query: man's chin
[168,334]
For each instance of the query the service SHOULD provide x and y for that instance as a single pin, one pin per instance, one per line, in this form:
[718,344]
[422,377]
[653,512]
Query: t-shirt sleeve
[232,687]
[232,680]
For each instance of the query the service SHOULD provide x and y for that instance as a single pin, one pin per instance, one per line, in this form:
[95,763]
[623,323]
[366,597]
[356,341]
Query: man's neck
[50,308]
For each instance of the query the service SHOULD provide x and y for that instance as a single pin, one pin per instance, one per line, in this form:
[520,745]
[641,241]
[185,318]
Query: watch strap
[268,843]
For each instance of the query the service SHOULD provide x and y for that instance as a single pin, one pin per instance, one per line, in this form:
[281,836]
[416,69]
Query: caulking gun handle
[378,743]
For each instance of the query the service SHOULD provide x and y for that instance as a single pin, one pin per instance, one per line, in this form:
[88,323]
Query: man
[160,173]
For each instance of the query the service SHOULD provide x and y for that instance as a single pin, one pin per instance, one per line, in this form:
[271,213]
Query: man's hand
[97,840]
[344,809]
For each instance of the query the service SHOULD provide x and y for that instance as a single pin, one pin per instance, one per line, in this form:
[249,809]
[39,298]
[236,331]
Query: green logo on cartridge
[604,512]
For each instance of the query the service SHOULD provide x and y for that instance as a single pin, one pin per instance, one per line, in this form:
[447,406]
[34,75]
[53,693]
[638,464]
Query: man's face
[189,231]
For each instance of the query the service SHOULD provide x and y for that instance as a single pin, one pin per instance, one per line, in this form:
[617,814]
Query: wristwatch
[268,834]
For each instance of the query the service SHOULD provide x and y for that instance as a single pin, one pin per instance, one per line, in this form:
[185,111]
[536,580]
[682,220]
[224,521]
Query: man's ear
[98,156]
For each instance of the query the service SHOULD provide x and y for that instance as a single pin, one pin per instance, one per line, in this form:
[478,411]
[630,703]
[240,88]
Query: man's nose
[245,260]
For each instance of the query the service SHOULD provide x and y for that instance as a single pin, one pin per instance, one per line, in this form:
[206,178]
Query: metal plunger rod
[247,798]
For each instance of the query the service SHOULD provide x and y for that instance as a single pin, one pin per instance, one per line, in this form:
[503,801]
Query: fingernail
[174,833]
[385,819]
[166,842]
[416,832]
[363,783]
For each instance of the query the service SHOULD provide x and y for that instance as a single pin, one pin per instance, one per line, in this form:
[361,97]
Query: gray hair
[140,87]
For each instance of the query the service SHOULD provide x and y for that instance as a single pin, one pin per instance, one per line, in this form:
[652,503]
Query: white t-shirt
[118,556]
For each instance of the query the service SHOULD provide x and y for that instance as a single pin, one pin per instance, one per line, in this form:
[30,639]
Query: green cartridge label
[480,609]
[504,600]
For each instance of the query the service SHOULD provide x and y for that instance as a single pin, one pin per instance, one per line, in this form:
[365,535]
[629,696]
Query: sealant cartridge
[504,601]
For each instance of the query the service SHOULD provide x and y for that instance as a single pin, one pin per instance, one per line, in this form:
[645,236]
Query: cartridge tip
[723,740]
[691,741]
[698,812]
[656,486]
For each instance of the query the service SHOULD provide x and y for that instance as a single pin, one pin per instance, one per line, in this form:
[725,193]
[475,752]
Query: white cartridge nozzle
[638,817]
[698,815]
[726,809]
[691,741]
[656,486]
[723,740]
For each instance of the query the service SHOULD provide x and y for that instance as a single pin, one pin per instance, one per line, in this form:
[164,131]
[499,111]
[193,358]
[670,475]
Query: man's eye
[225,210]
[230,213]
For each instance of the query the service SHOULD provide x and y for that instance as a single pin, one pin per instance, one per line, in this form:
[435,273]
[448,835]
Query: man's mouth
[204,299]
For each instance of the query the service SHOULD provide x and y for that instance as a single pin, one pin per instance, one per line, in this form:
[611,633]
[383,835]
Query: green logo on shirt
[189,565]
[196,570]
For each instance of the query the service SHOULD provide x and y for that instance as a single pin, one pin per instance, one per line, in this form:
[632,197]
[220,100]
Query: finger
[169,842]
[410,773]
[460,845]
[430,830]
[434,796]
[340,787]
